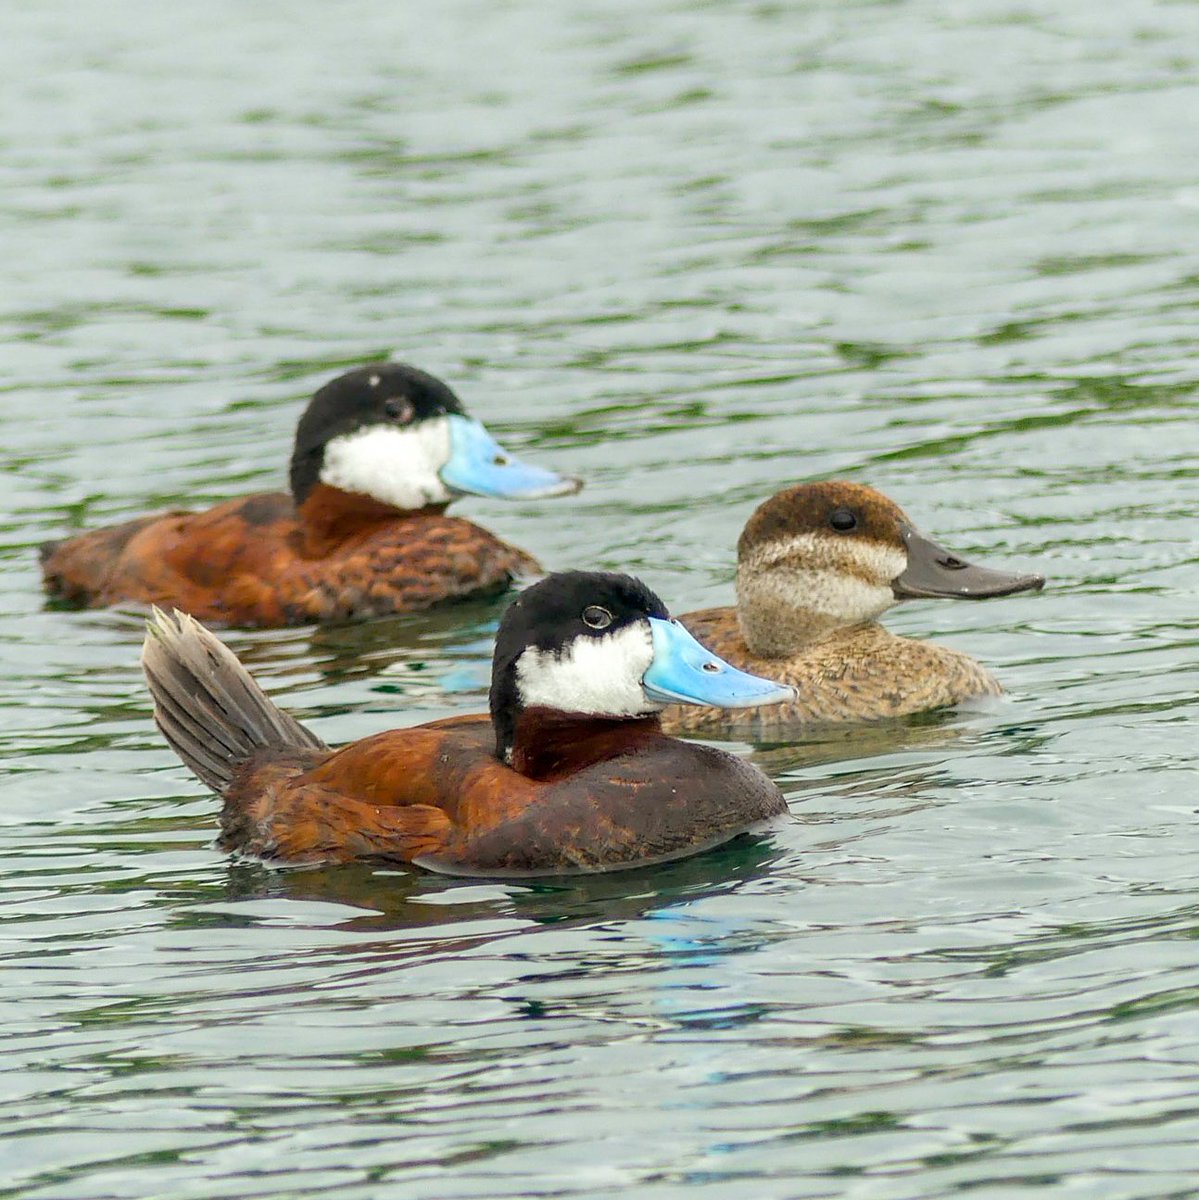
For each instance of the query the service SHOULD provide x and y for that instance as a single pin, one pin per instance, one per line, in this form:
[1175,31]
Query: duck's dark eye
[596,617]
[842,520]
[398,409]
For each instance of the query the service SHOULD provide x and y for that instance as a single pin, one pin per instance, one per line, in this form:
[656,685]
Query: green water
[693,252]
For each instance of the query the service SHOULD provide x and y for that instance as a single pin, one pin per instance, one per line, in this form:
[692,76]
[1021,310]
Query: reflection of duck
[377,899]
[817,564]
[818,744]
[571,771]
[379,454]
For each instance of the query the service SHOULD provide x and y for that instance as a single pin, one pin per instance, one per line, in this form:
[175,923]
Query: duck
[568,772]
[817,566]
[379,454]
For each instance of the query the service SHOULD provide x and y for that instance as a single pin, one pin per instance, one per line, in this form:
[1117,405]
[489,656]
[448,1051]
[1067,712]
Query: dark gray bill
[933,572]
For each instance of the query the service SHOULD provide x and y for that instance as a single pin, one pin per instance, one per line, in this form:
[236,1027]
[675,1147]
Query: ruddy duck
[817,565]
[570,772]
[379,454]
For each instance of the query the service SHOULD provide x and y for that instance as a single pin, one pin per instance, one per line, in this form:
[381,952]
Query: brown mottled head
[836,509]
[821,555]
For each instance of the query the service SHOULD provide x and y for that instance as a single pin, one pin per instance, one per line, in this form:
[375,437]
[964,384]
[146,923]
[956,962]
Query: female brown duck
[817,565]
[379,454]
[571,772]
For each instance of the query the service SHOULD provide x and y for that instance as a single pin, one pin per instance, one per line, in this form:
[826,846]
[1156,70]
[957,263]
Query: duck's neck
[775,624]
[328,516]
[548,744]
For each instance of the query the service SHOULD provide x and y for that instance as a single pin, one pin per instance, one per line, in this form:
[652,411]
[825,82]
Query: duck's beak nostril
[711,667]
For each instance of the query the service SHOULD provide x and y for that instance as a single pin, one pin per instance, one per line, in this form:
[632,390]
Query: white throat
[394,466]
[600,676]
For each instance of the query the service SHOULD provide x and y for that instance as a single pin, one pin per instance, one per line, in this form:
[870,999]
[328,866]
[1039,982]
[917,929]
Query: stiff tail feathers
[206,703]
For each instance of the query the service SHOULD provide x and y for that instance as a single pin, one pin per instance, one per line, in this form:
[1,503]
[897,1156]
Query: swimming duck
[379,454]
[817,565]
[570,771]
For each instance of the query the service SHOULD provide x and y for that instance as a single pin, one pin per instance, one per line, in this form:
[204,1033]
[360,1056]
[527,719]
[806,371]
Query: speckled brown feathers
[861,673]
[379,454]
[817,565]
[257,561]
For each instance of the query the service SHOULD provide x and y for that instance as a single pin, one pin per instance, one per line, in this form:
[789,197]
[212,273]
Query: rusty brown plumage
[379,454]
[580,792]
[260,561]
[437,796]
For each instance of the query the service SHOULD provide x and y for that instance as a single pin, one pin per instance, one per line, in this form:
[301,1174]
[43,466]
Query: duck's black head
[599,644]
[399,435]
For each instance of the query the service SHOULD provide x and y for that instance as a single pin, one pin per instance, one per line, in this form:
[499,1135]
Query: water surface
[692,252]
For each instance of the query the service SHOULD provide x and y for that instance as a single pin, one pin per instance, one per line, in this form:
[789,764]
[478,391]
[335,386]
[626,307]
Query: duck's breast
[405,565]
[664,802]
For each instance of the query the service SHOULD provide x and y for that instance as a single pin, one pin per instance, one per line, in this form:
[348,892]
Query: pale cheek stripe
[873,561]
[828,593]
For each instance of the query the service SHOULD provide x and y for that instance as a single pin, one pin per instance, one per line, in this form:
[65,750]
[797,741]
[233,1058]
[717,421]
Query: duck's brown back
[78,569]
[249,562]
[437,796]
[863,673]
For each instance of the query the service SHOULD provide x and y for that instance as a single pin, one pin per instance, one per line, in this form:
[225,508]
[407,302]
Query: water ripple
[692,253]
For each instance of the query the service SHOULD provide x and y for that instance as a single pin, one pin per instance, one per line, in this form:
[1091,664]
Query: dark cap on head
[548,616]
[835,506]
[382,393]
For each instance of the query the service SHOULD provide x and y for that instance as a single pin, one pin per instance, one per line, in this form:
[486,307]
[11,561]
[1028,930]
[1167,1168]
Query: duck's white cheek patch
[595,675]
[394,466]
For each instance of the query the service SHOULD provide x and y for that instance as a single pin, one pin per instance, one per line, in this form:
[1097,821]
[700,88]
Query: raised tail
[207,704]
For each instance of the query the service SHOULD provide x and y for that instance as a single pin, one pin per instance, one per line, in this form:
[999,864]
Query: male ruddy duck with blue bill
[569,772]
[379,454]
[817,565]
